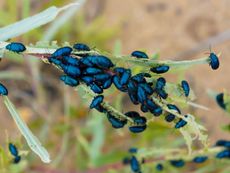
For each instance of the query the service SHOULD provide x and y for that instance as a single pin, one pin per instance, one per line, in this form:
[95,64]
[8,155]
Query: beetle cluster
[135,165]
[98,72]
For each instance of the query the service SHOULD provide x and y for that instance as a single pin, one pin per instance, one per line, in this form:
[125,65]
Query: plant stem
[142,62]
[106,105]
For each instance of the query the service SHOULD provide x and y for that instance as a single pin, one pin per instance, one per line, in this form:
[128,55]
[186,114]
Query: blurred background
[80,139]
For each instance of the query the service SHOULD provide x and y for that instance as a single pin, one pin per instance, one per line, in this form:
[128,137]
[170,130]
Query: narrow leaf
[31,23]
[31,140]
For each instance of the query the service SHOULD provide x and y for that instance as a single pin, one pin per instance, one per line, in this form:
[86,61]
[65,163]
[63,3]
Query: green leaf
[31,23]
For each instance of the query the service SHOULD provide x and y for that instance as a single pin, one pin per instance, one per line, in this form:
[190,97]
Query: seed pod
[3,90]
[139,54]
[69,80]
[16,47]
[160,69]
[63,51]
[214,61]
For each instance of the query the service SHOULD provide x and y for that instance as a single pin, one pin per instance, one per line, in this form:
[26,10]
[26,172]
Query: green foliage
[82,139]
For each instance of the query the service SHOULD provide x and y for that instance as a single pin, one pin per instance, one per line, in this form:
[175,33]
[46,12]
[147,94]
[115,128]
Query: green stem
[175,153]
[141,62]
[165,108]
[66,136]
[106,105]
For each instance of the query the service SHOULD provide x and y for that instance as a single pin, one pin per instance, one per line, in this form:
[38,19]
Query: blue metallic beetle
[137,129]
[185,87]
[96,101]
[135,165]
[214,61]
[81,47]
[200,159]
[115,122]
[181,123]
[159,167]
[16,47]
[69,80]
[63,51]
[139,54]
[13,149]
[177,163]
[220,100]
[3,90]
[160,69]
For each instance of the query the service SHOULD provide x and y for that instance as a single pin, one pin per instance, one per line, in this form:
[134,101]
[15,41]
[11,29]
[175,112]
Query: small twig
[106,105]
[45,52]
